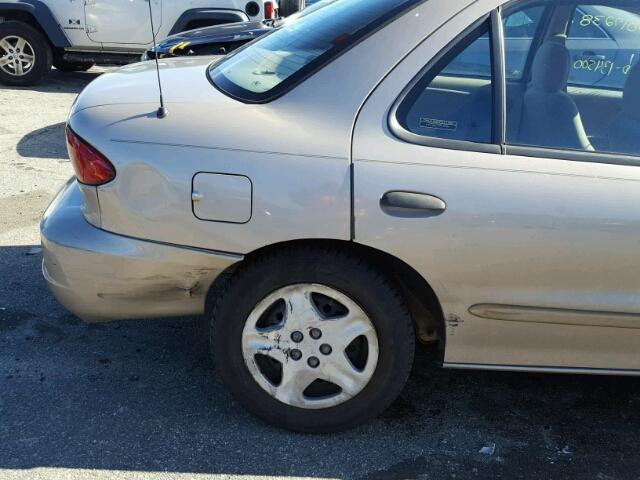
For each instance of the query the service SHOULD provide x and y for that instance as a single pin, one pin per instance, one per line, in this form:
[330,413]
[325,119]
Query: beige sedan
[460,172]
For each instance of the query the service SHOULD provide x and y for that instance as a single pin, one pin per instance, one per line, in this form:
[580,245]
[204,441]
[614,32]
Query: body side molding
[556,316]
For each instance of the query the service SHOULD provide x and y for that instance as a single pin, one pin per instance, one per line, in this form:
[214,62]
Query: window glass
[582,26]
[583,90]
[269,65]
[474,61]
[520,29]
[453,101]
[604,41]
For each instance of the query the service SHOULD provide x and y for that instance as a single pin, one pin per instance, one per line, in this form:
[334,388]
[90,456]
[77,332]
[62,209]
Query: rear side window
[453,100]
[270,66]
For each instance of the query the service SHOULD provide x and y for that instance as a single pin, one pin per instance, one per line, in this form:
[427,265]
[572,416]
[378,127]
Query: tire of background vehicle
[289,7]
[253,285]
[41,51]
[65,66]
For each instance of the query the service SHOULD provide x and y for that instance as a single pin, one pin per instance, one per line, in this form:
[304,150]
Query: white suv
[73,35]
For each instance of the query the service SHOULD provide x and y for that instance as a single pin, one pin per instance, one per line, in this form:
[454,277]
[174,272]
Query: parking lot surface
[141,399]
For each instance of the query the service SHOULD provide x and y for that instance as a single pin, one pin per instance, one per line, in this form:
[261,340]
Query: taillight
[91,167]
[269,11]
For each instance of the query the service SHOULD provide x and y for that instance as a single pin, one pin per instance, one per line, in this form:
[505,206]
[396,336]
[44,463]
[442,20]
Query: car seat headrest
[551,67]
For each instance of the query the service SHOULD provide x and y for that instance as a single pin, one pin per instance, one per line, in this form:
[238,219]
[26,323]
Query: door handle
[411,204]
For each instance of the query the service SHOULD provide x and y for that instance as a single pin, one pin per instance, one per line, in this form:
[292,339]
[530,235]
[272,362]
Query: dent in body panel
[102,276]
[185,283]
[99,286]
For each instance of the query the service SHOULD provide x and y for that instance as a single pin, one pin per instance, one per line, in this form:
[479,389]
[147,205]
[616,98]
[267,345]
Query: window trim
[607,158]
[442,57]
[499,81]
[499,68]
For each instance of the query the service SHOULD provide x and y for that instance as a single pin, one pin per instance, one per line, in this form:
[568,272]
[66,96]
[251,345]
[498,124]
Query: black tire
[289,7]
[65,66]
[377,295]
[41,50]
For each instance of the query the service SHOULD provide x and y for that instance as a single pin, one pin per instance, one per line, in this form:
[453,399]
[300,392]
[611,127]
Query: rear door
[530,251]
[122,22]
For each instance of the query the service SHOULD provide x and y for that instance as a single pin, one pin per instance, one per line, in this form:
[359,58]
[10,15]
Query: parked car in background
[221,39]
[74,35]
[413,197]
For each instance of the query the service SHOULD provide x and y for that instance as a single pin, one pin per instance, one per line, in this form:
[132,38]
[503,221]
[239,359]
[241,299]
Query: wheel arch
[424,305]
[216,16]
[37,15]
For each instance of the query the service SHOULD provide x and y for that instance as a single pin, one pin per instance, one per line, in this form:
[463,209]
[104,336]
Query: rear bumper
[101,276]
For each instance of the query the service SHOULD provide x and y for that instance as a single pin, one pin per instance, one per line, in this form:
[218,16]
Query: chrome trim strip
[556,316]
[499,131]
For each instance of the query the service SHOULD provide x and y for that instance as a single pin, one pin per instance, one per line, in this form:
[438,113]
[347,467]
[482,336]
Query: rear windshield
[271,65]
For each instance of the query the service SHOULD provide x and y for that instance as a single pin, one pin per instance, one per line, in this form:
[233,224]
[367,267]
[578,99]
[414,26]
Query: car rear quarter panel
[295,150]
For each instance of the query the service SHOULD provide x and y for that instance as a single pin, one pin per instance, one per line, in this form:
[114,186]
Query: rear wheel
[25,54]
[289,7]
[319,346]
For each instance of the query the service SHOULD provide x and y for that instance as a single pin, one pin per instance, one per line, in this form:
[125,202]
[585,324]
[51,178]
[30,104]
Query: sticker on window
[437,124]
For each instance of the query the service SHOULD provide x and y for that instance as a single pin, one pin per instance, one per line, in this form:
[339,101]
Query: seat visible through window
[550,116]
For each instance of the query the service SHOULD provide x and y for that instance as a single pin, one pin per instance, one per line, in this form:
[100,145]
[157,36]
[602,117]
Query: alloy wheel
[17,56]
[310,346]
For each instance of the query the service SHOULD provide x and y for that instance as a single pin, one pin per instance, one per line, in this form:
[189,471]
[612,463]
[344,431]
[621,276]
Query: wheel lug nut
[325,349]
[297,336]
[315,333]
[313,362]
[295,354]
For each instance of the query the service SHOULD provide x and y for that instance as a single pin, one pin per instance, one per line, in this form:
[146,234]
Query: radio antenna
[162,111]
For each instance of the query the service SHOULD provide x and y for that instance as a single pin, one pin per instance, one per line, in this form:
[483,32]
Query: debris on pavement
[488,449]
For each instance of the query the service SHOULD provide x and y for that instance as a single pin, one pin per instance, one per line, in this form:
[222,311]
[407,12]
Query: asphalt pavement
[141,399]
